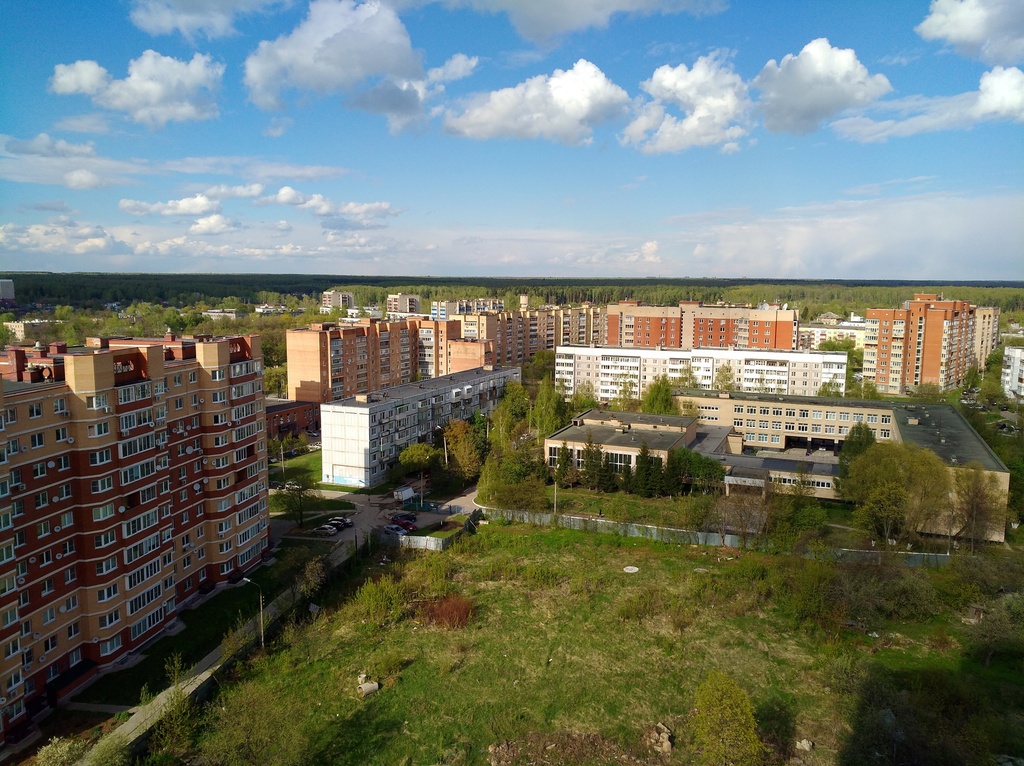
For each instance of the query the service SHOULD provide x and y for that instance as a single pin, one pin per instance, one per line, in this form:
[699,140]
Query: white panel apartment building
[1013,372]
[363,436]
[607,369]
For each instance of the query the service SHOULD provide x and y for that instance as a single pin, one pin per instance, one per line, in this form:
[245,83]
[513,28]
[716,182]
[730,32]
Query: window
[99,457]
[64,462]
[48,586]
[38,470]
[107,538]
[35,410]
[102,485]
[111,646]
[38,440]
[108,565]
[103,512]
[70,575]
[106,620]
[49,615]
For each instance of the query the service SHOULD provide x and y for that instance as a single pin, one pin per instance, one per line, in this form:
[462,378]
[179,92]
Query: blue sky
[663,138]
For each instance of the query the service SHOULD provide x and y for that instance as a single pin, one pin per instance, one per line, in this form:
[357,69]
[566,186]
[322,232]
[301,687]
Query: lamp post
[263,642]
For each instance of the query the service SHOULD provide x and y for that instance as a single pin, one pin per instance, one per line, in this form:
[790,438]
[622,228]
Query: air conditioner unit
[18,487]
[106,410]
[66,414]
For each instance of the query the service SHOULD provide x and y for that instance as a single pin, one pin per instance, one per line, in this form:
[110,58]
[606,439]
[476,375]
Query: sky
[863,139]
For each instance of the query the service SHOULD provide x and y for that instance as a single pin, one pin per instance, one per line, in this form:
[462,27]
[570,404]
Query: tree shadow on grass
[356,739]
[776,724]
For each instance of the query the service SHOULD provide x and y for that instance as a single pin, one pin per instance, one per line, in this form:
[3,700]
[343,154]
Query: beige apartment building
[404,303]
[132,479]
[518,335]
[986,333]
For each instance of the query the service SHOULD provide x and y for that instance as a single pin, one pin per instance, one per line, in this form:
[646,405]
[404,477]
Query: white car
[325,530]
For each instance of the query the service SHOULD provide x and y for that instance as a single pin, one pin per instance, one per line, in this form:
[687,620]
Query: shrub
[380,601]
[723,724]
[61,751]
[110,751]
[452,611]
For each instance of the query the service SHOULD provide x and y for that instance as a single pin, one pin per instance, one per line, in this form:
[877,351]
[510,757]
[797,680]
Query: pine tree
[606,479]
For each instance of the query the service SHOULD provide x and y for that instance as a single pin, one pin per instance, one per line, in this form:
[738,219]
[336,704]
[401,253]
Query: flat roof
[942,429]
[466,377]
[638,418]
[610,436]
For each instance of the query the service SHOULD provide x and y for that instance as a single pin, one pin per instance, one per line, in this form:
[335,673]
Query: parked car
[291,485]
[325,530]
[345,521]
[402,516]
[276,485]
[394,529]
[408,526]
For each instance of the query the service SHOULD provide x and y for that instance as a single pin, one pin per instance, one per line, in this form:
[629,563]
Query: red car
[408,526]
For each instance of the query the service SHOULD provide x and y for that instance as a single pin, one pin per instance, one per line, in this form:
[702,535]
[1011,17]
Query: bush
[452,611]
[112,750]
[380,601]
[61,751]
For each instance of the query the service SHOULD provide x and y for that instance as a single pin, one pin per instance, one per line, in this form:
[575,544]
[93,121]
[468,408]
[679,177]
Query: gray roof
[609,436]
[639,418]
[942,429]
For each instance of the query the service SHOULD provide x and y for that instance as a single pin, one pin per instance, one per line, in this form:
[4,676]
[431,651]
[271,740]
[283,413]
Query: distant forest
[88,290]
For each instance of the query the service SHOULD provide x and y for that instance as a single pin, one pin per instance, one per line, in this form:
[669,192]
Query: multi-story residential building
[329,361]
[517,335]
[928,341]
[986,334]
[218,314]
[1013,373]
[443,351]
[814,334]
[333,300]
[403,303]
[607,371]
[363,436]
[132,477]
[448,309]
[695,325]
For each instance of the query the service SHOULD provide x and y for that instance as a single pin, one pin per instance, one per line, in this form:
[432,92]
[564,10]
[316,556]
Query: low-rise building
[403,303]
[290,418]
[449,309]
[363,436]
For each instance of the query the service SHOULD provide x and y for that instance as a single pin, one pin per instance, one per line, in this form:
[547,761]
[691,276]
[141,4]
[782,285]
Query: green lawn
[565,648]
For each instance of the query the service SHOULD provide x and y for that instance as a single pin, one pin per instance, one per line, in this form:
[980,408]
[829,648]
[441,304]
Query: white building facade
[363,436]
[1013,372]
[608,369]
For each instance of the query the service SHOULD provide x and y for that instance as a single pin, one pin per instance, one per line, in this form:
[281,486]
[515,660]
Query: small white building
[363,436]
[1013,372]
[608,368]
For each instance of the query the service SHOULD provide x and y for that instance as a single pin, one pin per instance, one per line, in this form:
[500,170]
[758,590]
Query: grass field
[568,659]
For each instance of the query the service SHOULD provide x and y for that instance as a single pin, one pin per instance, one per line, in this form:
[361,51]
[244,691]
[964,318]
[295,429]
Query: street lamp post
[263,642]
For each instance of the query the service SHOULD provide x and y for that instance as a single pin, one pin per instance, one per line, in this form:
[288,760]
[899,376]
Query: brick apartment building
[132,477]
[692,324]
[928,341]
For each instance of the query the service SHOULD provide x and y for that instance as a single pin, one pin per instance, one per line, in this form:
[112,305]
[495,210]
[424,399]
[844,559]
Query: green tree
[856,444]
[583,398]
[606,477]
[299,495]
[927,392]
[627,399]
[884,511]
[550,411]
[275,380]
[658,399]
[919,472]
[725,731]
[564,466]
[978,506]
[510,412]
[725,378]
[590,472]
[465,455]
[1000,631]
[831,389]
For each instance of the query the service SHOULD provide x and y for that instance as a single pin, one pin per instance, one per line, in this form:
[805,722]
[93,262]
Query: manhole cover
[631,570]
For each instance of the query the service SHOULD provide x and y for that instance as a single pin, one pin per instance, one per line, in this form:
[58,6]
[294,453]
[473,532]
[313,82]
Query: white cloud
[60,237]
[223,191]
[82,179]
[252,167]
[402,101]
[278,127]
[213,18]
[158,89]
[990,30]
[200,204]
[85,77]
[818,83]
[713,100]
[85,123]
[1000,96]
[541,21]
[45,160]
[337,46]
[333,216]
[217,223]
[562,107]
